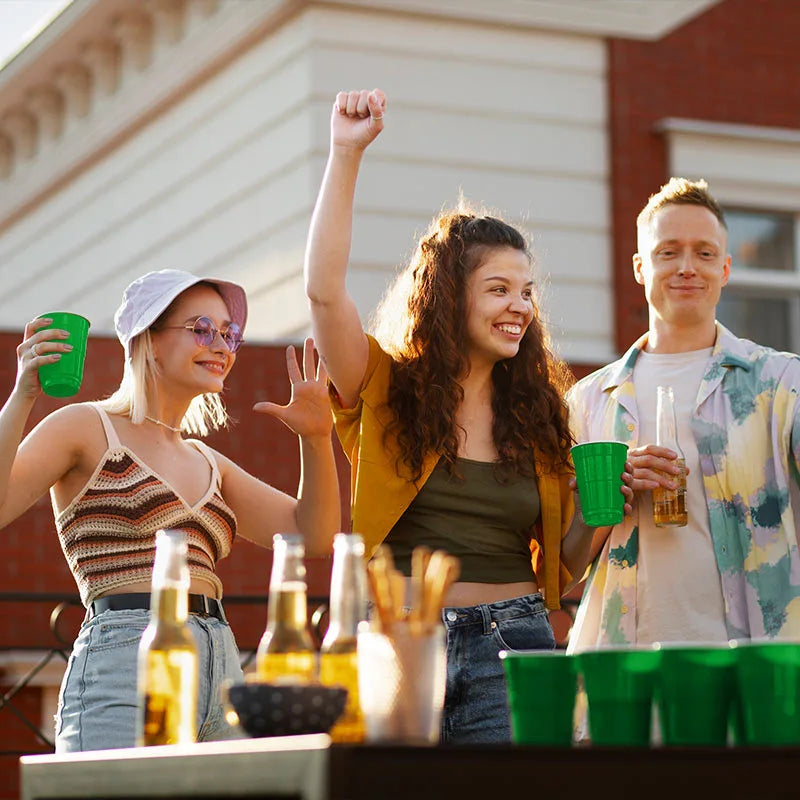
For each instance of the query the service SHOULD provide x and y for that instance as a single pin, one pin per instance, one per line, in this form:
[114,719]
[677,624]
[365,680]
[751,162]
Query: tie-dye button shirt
[746,425]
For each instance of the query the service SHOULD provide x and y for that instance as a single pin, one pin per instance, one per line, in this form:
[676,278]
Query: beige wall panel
[575,314]
[514,119]
[568,254]
[463,85]
[187,189]
[572,255]
[224,182]
[537,199]
[463,40]
[253,243]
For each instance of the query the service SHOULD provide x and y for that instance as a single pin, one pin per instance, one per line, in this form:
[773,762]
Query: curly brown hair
[422,323]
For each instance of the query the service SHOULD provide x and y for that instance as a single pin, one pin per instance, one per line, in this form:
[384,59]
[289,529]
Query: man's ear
[637,269]
[726,270]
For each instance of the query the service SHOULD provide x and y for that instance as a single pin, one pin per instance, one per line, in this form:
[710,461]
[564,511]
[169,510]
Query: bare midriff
[197,586]
[464,593]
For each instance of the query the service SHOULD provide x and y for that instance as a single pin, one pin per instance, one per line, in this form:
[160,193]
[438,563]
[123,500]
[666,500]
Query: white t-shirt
[679,596]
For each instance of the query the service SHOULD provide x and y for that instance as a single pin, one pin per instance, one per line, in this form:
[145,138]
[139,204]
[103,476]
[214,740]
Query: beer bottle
[669,505]
[286,653]
[338,655]
[167,662]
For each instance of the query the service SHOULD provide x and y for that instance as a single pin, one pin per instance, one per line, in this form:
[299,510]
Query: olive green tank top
[485,523]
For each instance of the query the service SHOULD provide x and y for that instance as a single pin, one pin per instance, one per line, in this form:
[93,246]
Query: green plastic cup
[541,696]
[63,378]
[598,467]
[696,693]
[768,680]
[619,684]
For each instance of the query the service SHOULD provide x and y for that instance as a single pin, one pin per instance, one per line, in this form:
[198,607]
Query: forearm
[318,503]
[330,233]
[576,547]
[13,418]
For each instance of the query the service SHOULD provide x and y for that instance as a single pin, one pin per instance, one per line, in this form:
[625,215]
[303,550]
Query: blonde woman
[120,469]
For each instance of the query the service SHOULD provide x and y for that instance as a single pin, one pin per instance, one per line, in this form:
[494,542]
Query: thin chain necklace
[163,424]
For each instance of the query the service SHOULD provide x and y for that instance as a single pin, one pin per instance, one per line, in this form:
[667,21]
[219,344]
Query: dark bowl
[269,709]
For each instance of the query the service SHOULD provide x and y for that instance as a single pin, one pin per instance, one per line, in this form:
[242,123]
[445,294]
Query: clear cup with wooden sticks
[401,655]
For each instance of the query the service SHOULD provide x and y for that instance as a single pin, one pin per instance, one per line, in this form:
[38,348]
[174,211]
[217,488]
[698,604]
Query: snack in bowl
[277,709]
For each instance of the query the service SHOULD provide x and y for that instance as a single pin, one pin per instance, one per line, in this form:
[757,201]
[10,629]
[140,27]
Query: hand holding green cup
[63,378]
[598,470]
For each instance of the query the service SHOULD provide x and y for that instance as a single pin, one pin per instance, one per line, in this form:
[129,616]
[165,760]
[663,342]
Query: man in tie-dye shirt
[734,571]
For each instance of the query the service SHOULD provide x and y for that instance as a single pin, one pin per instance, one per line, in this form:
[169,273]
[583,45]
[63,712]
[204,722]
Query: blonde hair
[206,412]
[680,191]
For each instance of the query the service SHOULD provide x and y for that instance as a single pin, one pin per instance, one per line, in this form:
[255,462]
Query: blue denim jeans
[476,703]
[97,701]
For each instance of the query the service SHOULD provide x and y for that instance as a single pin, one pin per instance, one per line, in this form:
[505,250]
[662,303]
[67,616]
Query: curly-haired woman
[454,425]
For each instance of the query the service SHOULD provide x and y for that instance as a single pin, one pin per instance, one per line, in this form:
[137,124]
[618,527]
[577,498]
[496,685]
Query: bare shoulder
[72,424]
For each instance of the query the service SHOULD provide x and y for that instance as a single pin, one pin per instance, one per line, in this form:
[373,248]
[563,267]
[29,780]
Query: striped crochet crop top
[108,531]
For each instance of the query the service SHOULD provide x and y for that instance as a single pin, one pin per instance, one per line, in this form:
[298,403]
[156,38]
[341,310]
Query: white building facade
[143,134]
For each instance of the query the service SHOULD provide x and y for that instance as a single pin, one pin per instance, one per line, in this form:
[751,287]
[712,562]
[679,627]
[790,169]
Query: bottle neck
[170,604]
[169,599]
[288,608]
[345,613]
[348,600]
[666,426]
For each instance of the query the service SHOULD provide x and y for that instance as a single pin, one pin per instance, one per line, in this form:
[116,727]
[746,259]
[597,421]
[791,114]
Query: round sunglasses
[205,333]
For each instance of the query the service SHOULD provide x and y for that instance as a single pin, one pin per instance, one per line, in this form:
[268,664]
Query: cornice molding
[627,19]
[95,75]
[98,74]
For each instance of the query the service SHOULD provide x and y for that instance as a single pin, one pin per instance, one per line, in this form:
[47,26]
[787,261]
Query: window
[762,299]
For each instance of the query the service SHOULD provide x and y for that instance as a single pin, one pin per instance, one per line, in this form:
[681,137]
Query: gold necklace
[163,424]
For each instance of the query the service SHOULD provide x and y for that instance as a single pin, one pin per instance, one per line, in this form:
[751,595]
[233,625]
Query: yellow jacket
[379,496]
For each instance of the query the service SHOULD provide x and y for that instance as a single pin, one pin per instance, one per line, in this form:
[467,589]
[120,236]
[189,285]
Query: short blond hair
[680,191]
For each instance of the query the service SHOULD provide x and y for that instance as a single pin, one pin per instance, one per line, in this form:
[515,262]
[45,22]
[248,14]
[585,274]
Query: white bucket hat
[146,299]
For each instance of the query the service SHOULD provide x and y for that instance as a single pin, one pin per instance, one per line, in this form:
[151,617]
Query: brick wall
[739,62]
[33,561]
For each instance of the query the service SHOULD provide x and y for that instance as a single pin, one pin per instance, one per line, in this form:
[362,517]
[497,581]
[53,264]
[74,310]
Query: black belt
[198,604]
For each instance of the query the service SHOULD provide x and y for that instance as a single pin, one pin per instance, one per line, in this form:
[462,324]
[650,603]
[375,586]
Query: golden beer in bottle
[338,655]
[669,505]
[286,653]
[167,662]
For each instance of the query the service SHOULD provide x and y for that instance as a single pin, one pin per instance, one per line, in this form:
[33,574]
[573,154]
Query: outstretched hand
[308,413]
[357,118]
